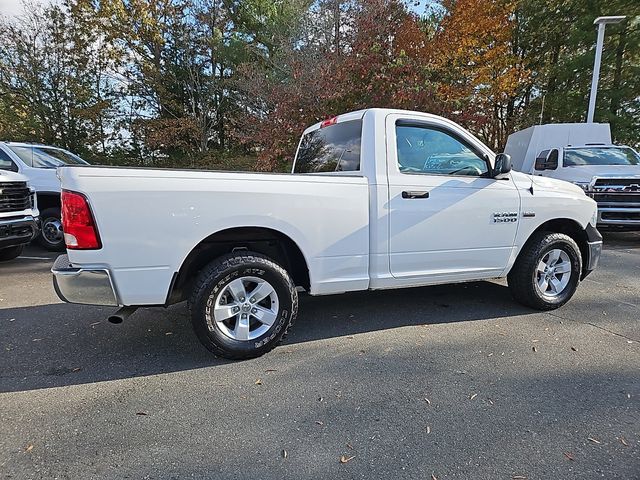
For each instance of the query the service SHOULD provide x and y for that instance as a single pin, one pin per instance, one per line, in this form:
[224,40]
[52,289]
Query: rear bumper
[92,286]
[18,230]
[594,250]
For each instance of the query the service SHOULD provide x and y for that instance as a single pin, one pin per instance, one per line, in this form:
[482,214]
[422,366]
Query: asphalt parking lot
[429,383]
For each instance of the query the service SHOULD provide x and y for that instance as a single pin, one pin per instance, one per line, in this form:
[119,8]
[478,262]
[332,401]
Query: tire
[526,280]
[218,292]
[51,236]
[10,253]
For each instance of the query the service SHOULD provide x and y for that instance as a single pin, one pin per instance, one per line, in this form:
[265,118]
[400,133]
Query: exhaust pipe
[121,315]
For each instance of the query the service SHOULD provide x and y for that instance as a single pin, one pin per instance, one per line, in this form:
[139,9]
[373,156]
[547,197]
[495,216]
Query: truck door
[448,220]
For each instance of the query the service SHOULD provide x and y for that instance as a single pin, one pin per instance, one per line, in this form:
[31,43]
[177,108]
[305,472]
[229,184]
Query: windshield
[576,157]
[46,157]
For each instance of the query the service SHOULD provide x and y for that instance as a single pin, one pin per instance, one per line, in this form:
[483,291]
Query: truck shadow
[60,344]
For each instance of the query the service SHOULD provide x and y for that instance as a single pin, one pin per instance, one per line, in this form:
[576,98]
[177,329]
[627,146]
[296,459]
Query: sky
[13,7]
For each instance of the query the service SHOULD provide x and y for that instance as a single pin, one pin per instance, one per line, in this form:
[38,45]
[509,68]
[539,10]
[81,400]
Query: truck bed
[149,220]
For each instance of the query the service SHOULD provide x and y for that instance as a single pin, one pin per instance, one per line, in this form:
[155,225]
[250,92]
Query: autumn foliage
[204,82]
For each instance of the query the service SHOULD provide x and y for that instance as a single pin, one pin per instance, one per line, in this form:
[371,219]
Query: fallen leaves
[569,456]
[471,397]
[518,477]
[428,429]
[28,448]
[284,454]
[433,477]
[534,348]
[427,400]
[574,349]
[591,439]
[318,422]
[345,459]
[268,370]
[143,414]
[258,382]
[623,441]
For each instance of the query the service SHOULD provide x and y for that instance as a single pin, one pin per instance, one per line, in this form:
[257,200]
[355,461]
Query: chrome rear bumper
[92,286]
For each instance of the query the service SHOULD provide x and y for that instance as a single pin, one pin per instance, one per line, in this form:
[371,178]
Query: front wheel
[242,305]
[547,272]
[10,253]
[51,236]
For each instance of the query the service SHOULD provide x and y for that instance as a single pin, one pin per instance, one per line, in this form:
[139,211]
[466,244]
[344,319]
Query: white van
[38,163]
[582,153]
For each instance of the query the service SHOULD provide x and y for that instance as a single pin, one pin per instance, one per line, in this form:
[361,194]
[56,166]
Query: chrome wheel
[52,230]
[244,309]
[553,273]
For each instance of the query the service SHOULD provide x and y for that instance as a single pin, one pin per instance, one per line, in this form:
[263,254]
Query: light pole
[601,22]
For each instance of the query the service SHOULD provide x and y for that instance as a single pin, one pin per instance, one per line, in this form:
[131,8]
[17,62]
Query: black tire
[49,217]
[10,253]
[214,278]
[522,278]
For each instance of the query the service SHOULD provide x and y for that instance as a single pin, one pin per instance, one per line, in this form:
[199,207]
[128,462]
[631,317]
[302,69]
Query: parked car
[377,199]
[582,153]
[18,213]
[38,163]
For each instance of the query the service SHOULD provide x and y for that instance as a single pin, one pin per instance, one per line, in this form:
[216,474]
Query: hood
[7,176]
[523,180]
[585,173]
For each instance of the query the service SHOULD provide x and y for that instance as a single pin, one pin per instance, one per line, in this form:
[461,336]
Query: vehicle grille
[625,216]
[14,196]
[616,191]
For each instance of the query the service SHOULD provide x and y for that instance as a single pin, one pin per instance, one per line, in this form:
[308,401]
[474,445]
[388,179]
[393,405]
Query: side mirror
[552,160]
[502,164]
[547,160]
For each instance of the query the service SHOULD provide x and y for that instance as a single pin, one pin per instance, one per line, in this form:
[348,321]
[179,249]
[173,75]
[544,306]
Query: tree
[53,80]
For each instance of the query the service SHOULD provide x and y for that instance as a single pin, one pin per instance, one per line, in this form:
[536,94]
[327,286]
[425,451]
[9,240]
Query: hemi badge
[528,214]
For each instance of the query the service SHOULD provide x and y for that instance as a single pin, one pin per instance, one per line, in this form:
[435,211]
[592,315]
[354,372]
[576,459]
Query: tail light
[80,231]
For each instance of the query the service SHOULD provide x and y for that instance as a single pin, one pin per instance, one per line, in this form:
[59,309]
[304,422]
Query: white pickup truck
[377,199]
[582,153]
[18,213]
[38,163]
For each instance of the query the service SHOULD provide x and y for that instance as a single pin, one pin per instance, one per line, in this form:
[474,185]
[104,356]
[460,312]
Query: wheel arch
[275,244]
[48,200]
[567,226]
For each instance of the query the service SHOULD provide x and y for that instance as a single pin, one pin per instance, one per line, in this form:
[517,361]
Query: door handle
[415,194]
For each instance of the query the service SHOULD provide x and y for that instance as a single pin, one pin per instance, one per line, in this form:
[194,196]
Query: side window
[6,163]
[434,151]
[335,148]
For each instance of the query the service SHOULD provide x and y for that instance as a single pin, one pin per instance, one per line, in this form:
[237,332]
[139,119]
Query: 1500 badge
[505,217]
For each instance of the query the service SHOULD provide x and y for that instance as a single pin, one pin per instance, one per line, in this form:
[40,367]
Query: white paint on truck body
[355,229]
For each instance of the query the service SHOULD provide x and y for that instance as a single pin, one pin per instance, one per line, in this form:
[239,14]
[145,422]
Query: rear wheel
[51,235]
[547,272]
[242,305]
[10,253]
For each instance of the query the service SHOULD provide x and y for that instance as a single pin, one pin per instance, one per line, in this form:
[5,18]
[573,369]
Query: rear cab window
[334,148]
